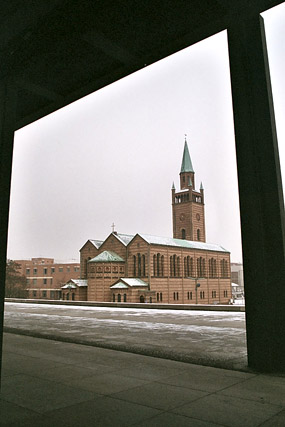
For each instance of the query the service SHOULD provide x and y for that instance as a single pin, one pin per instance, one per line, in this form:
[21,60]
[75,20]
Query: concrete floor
[52,383]
[203,337]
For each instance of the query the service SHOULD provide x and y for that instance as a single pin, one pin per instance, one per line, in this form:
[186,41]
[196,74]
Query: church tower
[188,213]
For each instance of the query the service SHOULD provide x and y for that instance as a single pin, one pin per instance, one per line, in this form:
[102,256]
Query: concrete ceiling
[58,51]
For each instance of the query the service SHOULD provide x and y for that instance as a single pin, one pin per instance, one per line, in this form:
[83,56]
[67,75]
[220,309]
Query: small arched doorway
[141,298]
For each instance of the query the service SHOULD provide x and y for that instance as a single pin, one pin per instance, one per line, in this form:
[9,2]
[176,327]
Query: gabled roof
[124,238]
[107,256]
[128,282]
[181,243]
[186,165]
[96,243]
[74,283]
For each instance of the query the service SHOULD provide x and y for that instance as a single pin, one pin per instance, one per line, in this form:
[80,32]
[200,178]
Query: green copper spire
[186,165]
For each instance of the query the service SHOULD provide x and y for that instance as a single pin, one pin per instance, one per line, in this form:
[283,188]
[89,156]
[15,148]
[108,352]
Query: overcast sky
[112,156]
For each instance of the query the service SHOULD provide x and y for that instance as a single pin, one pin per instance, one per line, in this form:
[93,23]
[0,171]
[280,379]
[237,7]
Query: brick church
[143,268]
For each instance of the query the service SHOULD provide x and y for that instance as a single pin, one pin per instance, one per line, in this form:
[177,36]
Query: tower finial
[113,227]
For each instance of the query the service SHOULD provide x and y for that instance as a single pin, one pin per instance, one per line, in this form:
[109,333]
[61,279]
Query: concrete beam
[7,114]
[261,195]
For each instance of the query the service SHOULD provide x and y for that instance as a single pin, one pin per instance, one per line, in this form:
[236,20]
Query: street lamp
[197,285]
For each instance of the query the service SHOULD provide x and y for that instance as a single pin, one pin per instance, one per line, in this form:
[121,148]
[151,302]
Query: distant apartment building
[45,277]
[237,279]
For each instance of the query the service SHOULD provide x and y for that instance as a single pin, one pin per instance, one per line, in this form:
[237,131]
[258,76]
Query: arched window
[160,296]
[171,266]
[224,268]
[188,266]
[158,265]
[185,267]
[215,268]
[143,265]
[119,297]
[139,265]
[183,233]
[135,265]
[191,267]
[174,265]
[162,265]
[198,235]
[114,297]
[178,267]
[212,267]
[154,265]
[199,267]
[157,296]
[189,295]
[125,297]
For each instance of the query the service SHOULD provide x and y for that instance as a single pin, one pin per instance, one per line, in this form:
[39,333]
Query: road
[211,338]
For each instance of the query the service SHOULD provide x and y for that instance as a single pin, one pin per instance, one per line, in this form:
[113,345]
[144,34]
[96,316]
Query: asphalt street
[211,338]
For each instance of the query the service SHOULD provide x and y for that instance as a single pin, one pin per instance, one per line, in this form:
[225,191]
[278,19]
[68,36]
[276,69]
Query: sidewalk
[51,383]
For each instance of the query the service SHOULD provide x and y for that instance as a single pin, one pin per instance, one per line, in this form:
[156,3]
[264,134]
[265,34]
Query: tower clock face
[182,217]
[198,217]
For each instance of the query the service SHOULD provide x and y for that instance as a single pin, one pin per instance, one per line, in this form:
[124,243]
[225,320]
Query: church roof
[124,238]
[107,256]
[181,243]
[96,243]
[74,283]
[127,282]
[186,165]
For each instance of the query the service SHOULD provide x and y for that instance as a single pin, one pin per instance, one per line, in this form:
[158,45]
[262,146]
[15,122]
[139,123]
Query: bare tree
[16,283]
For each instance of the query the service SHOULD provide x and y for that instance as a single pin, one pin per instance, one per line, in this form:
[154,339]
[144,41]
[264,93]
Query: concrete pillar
[261,195]
[7,114]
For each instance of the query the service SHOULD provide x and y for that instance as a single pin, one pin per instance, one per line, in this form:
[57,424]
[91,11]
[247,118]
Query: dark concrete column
[261,195]
[7,114]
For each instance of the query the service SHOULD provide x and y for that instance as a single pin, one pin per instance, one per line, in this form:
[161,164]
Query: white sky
[113,155]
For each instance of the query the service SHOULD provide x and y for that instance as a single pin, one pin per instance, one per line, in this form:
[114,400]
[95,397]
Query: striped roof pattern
[73,283]
[129,282]
[107,256]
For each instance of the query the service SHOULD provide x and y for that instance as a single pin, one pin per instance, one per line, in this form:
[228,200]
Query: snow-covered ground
[173,333]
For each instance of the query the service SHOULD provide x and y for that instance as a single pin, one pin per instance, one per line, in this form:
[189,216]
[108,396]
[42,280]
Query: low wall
[204,307]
